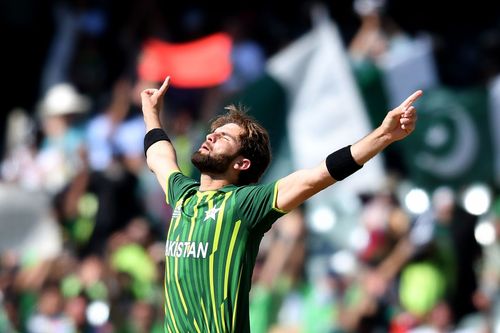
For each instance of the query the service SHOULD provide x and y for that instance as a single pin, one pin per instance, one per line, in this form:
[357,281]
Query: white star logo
[210,214]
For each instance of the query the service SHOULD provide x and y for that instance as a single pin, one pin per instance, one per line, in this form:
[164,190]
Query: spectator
[50,317]
[60,155]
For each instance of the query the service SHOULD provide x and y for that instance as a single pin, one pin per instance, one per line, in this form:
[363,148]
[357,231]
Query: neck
[213,182]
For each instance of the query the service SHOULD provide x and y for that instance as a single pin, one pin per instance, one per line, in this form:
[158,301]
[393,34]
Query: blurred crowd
[80,146]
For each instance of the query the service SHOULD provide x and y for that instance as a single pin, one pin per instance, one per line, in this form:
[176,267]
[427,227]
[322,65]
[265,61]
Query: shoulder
[256,191]
[177,185]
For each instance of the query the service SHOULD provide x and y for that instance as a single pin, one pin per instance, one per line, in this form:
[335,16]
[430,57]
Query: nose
[212,137]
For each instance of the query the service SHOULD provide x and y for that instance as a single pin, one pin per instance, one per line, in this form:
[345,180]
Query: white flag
[326,110]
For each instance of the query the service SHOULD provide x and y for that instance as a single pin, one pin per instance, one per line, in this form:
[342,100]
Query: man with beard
[217,223]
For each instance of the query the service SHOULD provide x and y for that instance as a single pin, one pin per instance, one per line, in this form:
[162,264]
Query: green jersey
[211,247]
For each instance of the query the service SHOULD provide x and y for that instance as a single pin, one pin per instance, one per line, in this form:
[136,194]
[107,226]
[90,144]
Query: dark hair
[254,141]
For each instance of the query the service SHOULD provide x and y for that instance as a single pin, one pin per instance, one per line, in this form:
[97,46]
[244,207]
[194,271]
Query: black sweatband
[153,136]
[341,164]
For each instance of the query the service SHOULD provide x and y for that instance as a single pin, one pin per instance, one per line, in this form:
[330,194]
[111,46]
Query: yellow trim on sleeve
[275,199]
[168,181]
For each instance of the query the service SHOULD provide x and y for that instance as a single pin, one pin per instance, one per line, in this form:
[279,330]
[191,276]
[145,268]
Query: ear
[242,164]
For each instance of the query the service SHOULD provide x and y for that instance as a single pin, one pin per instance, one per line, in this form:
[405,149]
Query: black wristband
[341,164]
[153,136]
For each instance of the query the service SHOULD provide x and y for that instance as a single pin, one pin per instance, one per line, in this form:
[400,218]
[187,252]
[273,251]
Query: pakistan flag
[452,143]
[456,136]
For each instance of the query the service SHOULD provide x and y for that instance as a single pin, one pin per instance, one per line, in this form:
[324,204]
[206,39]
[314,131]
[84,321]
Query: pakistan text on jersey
[186,249]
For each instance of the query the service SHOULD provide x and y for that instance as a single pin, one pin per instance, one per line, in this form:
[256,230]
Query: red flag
[201,63]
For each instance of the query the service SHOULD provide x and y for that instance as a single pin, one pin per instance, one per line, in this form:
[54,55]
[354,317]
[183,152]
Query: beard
[215,164]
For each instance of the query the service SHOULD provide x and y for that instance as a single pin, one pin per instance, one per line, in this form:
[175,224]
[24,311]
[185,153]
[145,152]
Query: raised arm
[160,156]
[297,187]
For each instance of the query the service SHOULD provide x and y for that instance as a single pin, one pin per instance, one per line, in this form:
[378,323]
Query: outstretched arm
[297,187]
[160,156]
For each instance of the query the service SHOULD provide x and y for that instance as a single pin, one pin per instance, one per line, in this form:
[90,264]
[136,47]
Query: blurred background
[410,243]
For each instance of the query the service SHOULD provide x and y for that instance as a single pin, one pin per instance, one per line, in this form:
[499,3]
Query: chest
[201,217]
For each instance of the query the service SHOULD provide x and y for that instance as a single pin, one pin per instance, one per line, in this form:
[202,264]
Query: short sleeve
[257,206]
[177,185]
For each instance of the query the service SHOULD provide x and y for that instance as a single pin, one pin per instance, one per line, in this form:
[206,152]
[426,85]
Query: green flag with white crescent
[455,139]
[451,144]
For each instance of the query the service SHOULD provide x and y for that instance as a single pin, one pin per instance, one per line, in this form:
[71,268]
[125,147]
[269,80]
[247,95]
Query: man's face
[219,150]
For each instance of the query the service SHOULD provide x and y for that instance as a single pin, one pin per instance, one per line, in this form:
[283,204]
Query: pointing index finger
[164,86]
[413,97]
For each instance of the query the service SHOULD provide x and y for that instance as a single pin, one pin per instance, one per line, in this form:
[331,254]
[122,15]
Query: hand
[152,99]
[400,122]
